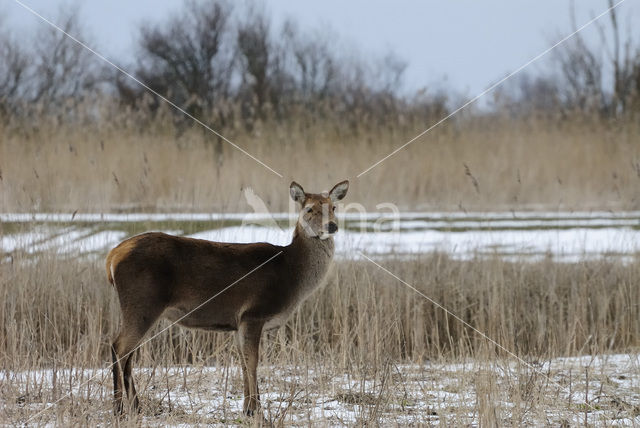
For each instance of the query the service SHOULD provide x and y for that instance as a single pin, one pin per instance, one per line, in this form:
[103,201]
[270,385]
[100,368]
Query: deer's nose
[333,228]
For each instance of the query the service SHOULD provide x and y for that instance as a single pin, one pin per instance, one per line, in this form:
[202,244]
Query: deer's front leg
[249,333]
[243,364]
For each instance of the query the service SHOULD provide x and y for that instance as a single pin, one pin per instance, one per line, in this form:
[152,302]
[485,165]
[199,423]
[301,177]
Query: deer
[215,286]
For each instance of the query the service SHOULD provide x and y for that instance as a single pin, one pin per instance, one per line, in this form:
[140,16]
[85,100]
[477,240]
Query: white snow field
[564,237]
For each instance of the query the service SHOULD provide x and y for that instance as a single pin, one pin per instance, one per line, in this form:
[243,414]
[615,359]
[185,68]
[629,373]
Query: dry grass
[365,341]
[136,163]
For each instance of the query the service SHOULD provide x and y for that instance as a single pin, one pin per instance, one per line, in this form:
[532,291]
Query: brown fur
[117,254]
[158,275]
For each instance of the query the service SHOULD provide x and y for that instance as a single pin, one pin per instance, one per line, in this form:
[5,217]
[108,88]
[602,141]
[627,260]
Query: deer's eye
[309,209]
[333,209]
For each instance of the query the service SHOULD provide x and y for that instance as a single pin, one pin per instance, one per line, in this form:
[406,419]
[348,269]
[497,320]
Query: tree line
[232,67]
[217,63]
[600,78]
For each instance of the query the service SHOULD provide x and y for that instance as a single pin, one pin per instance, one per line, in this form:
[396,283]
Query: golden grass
[64,310]
[141,164]
[60,314]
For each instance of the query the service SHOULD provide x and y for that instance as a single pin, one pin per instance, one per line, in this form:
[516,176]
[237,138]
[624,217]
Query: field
[487,261]
[133,162]
[366,349]
[558,236]
[533,256]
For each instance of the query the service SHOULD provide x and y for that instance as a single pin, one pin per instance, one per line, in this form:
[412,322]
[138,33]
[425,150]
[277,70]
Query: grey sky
[464,44]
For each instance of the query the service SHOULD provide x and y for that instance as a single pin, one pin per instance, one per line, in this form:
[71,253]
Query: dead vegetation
[364,347]
[501,165]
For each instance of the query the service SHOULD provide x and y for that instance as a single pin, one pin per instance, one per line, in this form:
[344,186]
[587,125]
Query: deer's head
[317,217]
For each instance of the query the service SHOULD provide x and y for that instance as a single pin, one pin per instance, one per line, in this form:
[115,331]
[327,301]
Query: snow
[600,389]
[564,237]
[349,215]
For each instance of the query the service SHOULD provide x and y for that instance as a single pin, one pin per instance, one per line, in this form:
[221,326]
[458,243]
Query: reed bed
[366,341]
[59,315]
[141,163]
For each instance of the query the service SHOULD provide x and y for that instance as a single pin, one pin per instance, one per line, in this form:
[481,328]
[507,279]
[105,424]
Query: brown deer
[245,288]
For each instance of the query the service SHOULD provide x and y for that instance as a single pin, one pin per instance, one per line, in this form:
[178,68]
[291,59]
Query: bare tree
[62,69]
[14,67]
[527,94]
[49,71]
[189,58]
[633,103]
[621,59]
[389,73]
[255,51]
[582,68]
[313,63]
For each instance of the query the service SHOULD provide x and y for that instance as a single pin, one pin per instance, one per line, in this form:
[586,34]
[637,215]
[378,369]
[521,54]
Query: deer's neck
[309,258]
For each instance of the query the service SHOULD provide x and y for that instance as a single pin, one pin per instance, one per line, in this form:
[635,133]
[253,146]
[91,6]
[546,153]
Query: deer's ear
[339,191]
[297,193]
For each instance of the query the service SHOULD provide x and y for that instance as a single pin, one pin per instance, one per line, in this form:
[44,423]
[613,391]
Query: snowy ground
[602,391]
[523,236]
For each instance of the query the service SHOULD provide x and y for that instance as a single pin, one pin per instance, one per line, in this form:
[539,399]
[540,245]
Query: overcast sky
[462,44]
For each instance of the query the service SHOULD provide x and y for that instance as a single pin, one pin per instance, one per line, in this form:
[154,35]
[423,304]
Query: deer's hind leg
[135,325]
[243,365]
